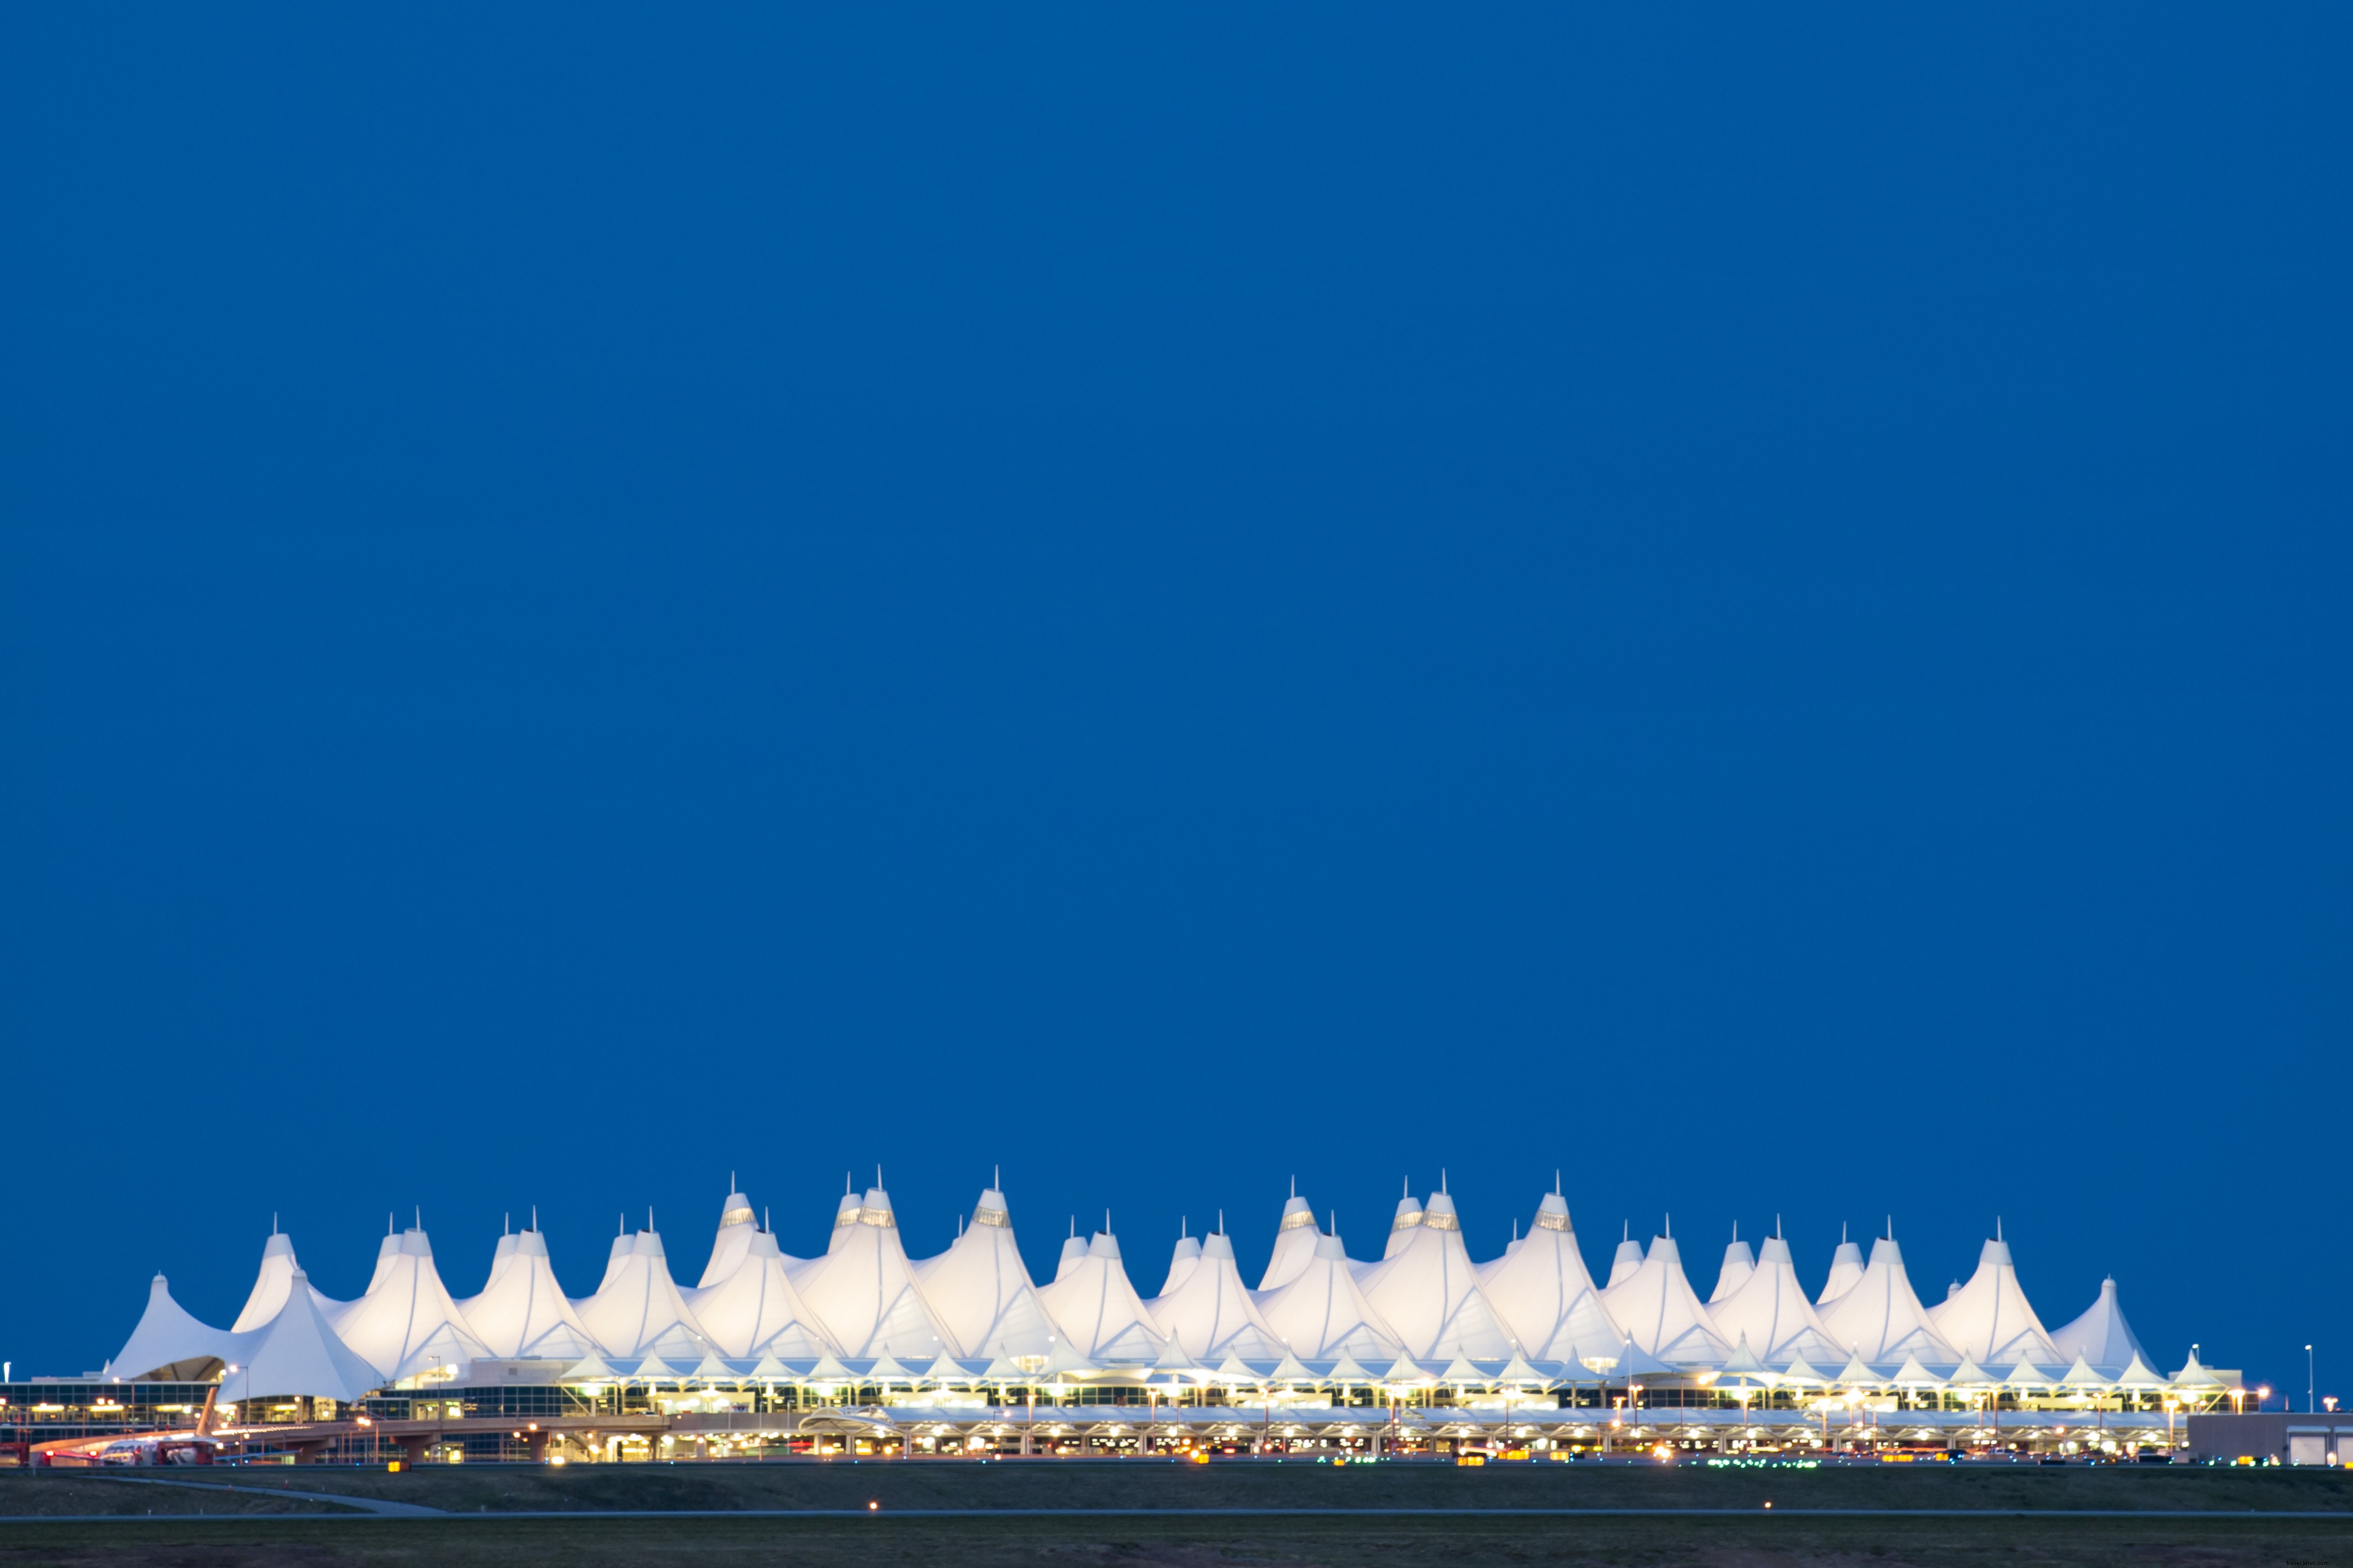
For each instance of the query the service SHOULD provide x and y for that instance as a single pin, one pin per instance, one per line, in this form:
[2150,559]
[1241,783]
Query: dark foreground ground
[489,1525]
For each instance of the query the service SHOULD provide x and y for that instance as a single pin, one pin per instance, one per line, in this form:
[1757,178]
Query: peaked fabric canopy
[864,1290]
[1989,1319]
[1629,1257]
[1324,1315]
[1102,1320]
[1428,1293]
[406,1323]
[1880,1320]
[1294,1244]
[640,1315]
[733,1241]
[1211,1313]
[1770,1311]
[2100,1339]
[755,1310]
[982,1291]
[271,1285]
[1181,1262]
[1543,1294]
[169,1343]
[1846,1269]
[1661,1312]
[521,1312]
[1401,1228]
[298,1352]
[1739,1264]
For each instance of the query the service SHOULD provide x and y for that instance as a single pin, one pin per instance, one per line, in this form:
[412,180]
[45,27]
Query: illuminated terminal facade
[864,1349]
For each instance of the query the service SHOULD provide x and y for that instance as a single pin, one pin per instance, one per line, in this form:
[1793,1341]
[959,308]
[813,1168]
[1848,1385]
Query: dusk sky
[1750,606]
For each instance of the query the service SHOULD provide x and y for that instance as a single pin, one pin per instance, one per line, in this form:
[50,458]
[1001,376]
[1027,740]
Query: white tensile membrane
[522,1310]
[2100,1339]
[638,1312]
[1182,1261]
[1323,1314]
[755,1310]
[171,1344]
[297,1353]
[408,1323]
[1846,1270]
[1099,1311]
[1074,1252]
[1628,1258]
[845,1216]
[1739,1263]
[272,1284]
[624,1244]
[982,1290]
[1770,1312]
[1294,1243]
[1881,1322]
[1661,1314]
[864,1291]
[1990,1320]
[1545,1297]
[1401,1228]
[1212,1316]
[1428,1293]
[737,1225]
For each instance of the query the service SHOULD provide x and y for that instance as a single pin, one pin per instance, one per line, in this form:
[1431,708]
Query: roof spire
[1555,1181]
[878,1176]
[506,1222]
[1667,1226]
[1407,1183]
[1891,1227]
[1776,1224]
[1180,1226]
[1222,1222]
[387,1222]
[1997,1227]
[534,1216]
[731,1181]
[997,1177]
[1335,1222]
[1735,1230]
[763,1219]
[1442,1178]
[1295,1186]
[1516,1228]
[273,1222]
[420,1217]
[649,1216]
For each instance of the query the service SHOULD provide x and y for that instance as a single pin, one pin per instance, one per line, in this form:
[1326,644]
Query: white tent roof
[1846,1269]
[1323,1314]
[1545,1297]
[387,1252]
[1770,1311]
[736,1228]
[1181,1262]
[756,1310]
[2100,1339]
[623,1245]
[1102,1320]
[1739,1263]
[1629,1258]
[864,1291]
[981,1289]
[296,1353]
[406,1323]
[271,1285]
[1428,1293]
[1074,1252]
[845,1215]
[1295,1243]
[638,1314]
[170,1343]
[1990,1320]
[1401,1228]
[1211,1313]
[521,1312]
[1880,1320]
[1661,1312]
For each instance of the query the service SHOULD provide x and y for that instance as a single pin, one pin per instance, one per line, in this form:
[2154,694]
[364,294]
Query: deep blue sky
[1752,606]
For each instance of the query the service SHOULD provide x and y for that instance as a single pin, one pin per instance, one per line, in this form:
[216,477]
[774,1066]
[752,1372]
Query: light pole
[2311,1383]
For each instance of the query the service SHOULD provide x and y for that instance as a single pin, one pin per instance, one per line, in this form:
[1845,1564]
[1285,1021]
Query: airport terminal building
[865,1349]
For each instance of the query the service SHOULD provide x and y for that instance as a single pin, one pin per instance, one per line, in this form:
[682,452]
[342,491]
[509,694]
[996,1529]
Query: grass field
[230,1533]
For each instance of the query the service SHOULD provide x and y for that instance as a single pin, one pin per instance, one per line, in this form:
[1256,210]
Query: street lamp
[2311,1383]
